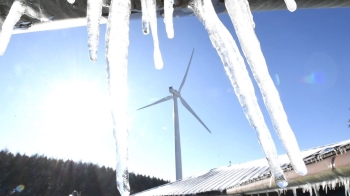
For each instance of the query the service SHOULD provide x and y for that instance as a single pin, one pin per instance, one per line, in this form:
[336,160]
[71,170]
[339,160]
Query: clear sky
[53,99]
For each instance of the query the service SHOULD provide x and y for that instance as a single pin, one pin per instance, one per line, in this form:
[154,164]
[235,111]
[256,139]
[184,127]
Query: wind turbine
[177,94]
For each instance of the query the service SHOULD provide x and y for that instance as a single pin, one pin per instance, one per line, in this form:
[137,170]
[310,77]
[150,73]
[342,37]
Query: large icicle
[168,17]
[291,5]
[17,10]
[145,17]
[152,16]
[71,1]
[241,17]
[236,70]
[117,43]
[1,22]
[93,16]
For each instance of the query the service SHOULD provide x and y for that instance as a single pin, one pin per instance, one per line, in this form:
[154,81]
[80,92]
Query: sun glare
[76,119]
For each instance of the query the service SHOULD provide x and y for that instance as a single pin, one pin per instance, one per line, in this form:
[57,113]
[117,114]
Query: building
[328,174]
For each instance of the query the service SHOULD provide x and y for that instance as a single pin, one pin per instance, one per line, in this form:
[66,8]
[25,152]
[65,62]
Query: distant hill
[39,175]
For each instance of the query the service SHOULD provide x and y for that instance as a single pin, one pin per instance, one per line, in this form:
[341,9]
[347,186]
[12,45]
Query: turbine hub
[173,91]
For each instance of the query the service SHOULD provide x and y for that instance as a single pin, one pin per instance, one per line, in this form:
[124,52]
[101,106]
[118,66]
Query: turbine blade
[188,67]
[185,104]
[159,101]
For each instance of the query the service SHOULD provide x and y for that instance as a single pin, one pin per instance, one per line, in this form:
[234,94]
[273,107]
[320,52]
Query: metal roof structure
[328,164]
[62,14]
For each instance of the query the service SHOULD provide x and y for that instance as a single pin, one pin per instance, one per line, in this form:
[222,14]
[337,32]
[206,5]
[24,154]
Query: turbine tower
[177,94]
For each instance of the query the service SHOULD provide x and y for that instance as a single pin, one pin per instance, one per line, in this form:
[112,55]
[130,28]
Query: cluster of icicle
[234,65]
[314,188]
[117,42]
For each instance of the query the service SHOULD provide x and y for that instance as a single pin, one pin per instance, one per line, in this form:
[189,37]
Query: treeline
[39,175]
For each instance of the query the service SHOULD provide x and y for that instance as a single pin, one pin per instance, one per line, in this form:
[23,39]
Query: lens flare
[314,78]
[277,80]
[19,188]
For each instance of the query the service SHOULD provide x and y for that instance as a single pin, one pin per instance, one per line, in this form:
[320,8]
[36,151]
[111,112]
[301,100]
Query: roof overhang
[66,15]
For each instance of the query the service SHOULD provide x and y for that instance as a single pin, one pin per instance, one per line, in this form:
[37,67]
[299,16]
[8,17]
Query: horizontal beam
[70,15]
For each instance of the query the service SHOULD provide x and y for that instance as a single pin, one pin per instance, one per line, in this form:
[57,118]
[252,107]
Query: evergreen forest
[41,176]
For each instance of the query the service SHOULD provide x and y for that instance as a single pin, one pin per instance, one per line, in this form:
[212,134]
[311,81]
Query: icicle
[291,5]
[1,23]
[93,16]
[151,8]
[341,150]
[310,189]
[17,10]
[316,188]
[334,183]
[271,180]
[303,188]
[240,15]
[117,43]
[249,13]
[145,17]
[345,183]
[168,17]
[295,192]
[236,70]
[278,192]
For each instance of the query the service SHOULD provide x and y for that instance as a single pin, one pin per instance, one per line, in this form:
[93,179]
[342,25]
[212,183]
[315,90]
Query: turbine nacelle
[174,92]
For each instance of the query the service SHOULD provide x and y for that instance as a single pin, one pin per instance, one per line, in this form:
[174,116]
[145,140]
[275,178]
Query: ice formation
[313,188]
[235,68]
[17,10]
[168,17]
[71,1]
[145,18]
[152,16]
[1,22]
[93,16]
[291,5]
[241,18]
[117,43]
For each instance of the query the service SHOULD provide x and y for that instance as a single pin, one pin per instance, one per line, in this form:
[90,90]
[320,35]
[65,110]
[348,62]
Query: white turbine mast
[177,94]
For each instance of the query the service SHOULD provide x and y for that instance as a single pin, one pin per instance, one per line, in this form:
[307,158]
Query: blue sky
[53,99]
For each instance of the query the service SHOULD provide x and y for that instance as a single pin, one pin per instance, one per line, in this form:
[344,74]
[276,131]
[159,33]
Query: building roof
[66,15]
[234,178]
